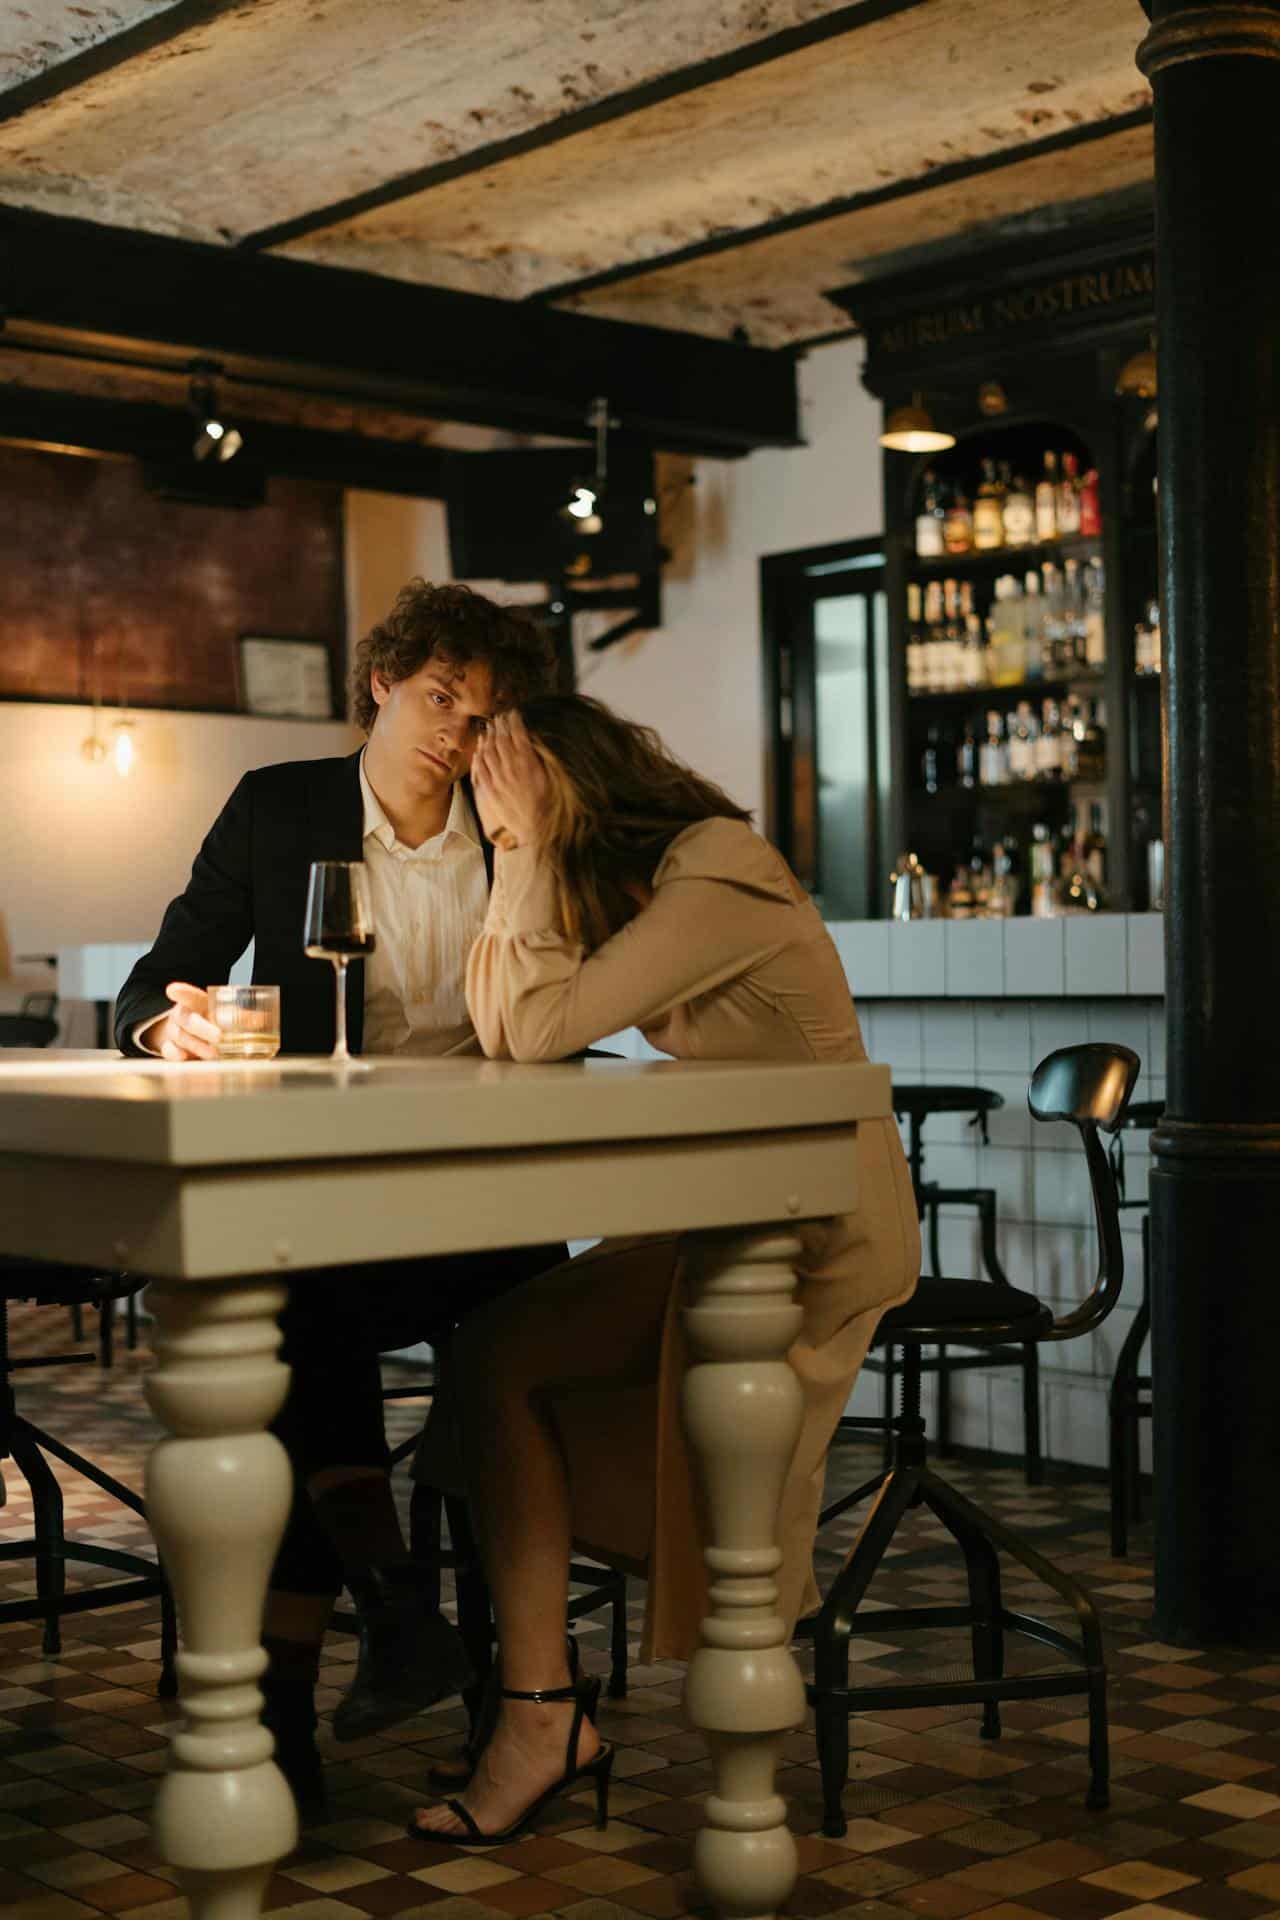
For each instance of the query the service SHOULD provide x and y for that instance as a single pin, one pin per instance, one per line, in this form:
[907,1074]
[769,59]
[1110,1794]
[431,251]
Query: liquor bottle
[929,520]
[1074,634]
[1090,510]
[1049,745]
[979,877]
[1072,732]
[931,760]
[1094,615]
[951,669]
[1068,497]
[975,654]
[1051,650]
[967,757]
[1022,743]
[935,653]
[1094,849]
[993,755]
[960,896]
[1002,899]
[1019,515]
[915,639]
[1033,625]
[988,520]
[1044,889]
[957,525]
[1047,500]
[1007,634]
[1142,648]
[1091,744]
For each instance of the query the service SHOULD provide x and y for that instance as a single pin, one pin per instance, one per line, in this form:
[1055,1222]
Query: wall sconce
[911,430]
[124,750]
[992,399]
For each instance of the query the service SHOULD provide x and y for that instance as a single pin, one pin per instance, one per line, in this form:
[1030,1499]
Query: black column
[1215,1188]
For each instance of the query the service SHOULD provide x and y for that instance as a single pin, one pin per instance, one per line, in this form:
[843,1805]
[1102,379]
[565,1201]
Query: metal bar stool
[1129,1401]
[31,1448]
[1089,1086]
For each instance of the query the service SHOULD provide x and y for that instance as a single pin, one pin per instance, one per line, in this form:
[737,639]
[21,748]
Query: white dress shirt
[429,904]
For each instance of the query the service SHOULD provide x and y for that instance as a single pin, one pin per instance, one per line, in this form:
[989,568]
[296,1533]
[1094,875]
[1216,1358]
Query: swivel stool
[1088,1086]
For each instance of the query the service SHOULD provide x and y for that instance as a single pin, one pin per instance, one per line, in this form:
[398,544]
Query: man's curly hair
[454,624]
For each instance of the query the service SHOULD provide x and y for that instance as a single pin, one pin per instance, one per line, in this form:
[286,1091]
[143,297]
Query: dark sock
[289,1685]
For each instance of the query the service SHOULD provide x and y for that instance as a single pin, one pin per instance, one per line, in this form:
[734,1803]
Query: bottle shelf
[959,697]
[1003,559]
[1085,790]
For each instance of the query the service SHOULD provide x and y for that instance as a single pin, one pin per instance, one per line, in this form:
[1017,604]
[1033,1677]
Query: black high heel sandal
[599,1769]
[452,1776]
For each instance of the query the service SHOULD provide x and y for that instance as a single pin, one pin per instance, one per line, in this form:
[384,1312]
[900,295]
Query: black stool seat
[947,1309]
[916,1102]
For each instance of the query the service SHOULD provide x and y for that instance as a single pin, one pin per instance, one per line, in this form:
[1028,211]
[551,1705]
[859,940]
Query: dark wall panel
[102,580]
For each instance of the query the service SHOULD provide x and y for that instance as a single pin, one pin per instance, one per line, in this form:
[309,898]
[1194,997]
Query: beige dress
[729,961]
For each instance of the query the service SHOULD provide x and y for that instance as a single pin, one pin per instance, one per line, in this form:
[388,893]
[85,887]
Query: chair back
[26,1030]
[1089,1086]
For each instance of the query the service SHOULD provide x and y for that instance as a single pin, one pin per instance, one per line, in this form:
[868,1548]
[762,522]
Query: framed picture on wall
[286,678]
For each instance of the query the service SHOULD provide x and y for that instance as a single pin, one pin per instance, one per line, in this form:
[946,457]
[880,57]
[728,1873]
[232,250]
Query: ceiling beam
[144,431]
[906,188]
[443,355]
[142,37]
[616,106]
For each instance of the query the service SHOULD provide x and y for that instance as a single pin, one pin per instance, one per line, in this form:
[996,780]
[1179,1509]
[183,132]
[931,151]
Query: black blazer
[249,882]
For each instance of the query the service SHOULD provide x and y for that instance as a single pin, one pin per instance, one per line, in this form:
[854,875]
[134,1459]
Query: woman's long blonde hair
[617,801]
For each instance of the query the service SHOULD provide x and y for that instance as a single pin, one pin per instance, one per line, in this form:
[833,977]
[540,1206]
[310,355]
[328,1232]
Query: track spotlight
[215,439]
[583,511]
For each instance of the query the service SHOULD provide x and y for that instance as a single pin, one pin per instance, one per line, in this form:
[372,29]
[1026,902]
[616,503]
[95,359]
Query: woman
[631,892]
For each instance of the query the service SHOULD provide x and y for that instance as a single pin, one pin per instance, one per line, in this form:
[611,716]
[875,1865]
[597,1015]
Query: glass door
[826,673]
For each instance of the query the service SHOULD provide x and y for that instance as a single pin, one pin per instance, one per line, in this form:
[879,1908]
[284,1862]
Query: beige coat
[729,961]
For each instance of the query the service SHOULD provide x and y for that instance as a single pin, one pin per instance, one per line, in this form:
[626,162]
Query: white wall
[697,678]
[88,856]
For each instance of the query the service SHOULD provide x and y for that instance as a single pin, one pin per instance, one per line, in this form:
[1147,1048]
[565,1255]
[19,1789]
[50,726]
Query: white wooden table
[222,1180]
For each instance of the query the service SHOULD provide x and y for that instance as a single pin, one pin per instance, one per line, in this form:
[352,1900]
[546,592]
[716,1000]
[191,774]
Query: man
[425,684]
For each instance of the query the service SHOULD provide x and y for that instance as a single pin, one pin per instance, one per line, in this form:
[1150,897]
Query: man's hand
[510,783]
[187,1033]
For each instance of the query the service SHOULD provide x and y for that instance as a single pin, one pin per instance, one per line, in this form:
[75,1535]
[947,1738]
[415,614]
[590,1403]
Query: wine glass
[339,927]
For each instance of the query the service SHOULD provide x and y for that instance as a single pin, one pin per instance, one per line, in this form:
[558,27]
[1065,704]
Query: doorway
[826,665]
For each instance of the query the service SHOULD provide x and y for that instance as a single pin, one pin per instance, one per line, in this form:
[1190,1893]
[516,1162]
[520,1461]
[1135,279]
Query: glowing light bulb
[582,505]
[123,750]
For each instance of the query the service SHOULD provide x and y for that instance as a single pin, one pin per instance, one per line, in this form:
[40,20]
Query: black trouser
[336,1324]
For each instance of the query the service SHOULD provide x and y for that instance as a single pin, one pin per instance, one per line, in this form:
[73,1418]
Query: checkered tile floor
[941,1824]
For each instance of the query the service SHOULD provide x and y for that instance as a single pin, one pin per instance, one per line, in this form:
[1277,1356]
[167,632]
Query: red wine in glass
[339,928]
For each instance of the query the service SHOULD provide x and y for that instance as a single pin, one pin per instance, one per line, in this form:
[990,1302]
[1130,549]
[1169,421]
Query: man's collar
[461,819]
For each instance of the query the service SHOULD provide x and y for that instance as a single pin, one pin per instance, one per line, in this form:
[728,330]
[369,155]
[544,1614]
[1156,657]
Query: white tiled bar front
[981,1002]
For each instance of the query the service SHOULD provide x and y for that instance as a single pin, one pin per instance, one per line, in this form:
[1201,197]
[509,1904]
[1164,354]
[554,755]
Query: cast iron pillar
[1215,1186]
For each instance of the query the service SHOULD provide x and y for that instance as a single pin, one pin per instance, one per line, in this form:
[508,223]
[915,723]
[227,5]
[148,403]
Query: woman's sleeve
[535,995]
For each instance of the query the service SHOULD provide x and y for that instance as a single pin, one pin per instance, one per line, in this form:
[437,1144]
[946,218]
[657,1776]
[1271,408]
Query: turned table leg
[742,1409]
[218,1494]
